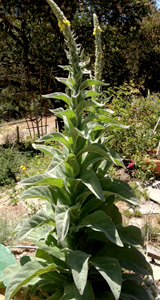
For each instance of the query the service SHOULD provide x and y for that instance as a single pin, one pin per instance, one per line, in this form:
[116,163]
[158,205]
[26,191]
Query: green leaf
[66,68]
[55,136]
[110,269]
[71,293]
[118,188]
[62,218]
[9,272]
[61,96]
[72,165]
[6,258]
[129,258]
[102,118]
[42,192]
[29,271]
[49,150]
[90,179]
[56,296]
[67,81]
[87,103]
[91,82]
[83,64]
[132,291]
[43,179]
[70,116]
[100,222]
[131,235]
[77,140]
[78,262]
[102,151]
[91,94]
[35,221]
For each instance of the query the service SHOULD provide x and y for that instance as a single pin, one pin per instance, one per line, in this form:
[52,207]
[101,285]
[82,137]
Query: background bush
[141,114]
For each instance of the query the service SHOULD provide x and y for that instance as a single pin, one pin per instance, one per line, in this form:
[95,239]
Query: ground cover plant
[84,251]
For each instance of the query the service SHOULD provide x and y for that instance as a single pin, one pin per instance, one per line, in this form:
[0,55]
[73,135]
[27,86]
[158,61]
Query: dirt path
[9,131]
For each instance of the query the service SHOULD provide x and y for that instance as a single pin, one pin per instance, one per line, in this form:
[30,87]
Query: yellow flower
[38,173]
[24,168]
[21,167]
[62,24]
[99,28]
[94,31]
[27,174]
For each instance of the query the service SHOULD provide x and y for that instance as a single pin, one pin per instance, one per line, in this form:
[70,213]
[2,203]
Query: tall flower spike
[98,48]
[64,26]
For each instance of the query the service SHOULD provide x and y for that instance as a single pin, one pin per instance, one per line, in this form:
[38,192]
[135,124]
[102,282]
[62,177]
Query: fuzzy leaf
[72,165]
[62,218]
[71,293]
[131,235]
[90,179]
[35,221]
[78,262]
[91,82]
[99,149]
[55,136]
[110,269]
[66,81]
[43,179]
[6,258]
[100,222]
[91,94]
[49,150]
[27,272]
[132,291]
[118,188]
[62,96]
[42,192]
[129,258]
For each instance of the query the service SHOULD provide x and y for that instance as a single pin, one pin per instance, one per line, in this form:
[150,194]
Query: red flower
[131,164]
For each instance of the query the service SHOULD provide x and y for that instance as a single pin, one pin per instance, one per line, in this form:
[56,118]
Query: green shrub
[84,252]
[10,162]
[141,114]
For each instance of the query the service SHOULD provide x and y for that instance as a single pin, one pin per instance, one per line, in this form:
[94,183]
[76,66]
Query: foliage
[141,114]
[10,162]
[84,251]
[7,258]
[30,39]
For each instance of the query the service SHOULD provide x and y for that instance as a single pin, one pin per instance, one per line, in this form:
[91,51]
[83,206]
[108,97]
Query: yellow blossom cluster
[95,30]
[62,24]
[23,168]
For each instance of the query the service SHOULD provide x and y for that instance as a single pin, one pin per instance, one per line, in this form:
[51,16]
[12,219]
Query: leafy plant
[83,249]
[10,161]
[141,114]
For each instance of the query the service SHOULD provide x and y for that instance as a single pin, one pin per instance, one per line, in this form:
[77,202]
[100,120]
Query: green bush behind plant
[141,114]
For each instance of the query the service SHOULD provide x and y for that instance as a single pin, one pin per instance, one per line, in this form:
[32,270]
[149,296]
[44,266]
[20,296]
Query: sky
[158,3]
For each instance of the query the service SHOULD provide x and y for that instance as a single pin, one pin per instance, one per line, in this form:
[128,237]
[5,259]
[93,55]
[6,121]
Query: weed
[137,213]
[150,232]
[127,213]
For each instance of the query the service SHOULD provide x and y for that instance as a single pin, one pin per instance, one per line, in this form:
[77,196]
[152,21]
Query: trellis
[36,110]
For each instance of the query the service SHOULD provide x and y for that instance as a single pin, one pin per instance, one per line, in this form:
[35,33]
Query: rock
[154,194]
[123,175]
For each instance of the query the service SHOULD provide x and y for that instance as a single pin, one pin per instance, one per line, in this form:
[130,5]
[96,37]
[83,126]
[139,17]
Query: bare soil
[10,132]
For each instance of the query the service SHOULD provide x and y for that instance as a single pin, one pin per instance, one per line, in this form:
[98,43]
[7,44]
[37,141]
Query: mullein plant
[83,249]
